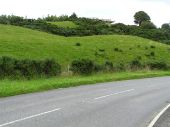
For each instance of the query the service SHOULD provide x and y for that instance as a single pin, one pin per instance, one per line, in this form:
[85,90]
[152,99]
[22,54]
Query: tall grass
[16,87]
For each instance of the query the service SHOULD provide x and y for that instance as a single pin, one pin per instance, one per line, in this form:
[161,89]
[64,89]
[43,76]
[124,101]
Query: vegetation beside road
[121,50]
[34,55]
[16,87]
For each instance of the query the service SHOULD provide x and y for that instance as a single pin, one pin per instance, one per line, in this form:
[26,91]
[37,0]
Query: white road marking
[158,116]
[121,92]
[29,117]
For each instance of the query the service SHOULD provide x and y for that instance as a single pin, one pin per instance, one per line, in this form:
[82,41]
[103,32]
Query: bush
[82,66]
[101,50]
[139,57]
[108,66]
[99,67]
[7,66]
[120,67]
[51,68]
[152,47]
[138,46]
[10,67]
[152,53]
[78,44]
[25,67]
[116,49]
[135,64]
[160,65]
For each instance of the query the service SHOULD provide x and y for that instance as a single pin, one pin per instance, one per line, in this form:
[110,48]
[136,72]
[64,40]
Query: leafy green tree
[140,17]
[119,27]
[148,25]
[166,26]
[73,16]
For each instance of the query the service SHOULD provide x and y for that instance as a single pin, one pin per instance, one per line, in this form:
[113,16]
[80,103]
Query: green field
[64,24]
[23,43]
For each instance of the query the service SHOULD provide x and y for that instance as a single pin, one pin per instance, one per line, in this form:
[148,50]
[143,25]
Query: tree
[147,25]
[166,26]
[140,17]
[73,16]
[119,27]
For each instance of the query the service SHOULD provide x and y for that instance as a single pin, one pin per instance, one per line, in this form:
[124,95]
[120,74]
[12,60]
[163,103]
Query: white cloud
[118,10]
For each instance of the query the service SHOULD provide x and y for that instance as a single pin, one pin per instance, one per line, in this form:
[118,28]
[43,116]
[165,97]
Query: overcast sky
[117,10]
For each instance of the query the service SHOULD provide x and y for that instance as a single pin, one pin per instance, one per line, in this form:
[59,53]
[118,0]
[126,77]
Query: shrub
[147,55]
[139,57]
[98,67]
[108,66]
[135,64]
[116,49]
[120,67]
[78,44]
[82,66]
[160,65]
[152,47]
[138,46]
[7,66]
[152,54]
[51,68]
[25,67]
[101,50]
[10,67]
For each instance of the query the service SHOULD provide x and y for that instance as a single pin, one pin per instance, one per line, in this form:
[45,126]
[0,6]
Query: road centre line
[30,117]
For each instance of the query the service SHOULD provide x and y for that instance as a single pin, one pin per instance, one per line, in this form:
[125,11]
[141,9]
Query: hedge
[15,68]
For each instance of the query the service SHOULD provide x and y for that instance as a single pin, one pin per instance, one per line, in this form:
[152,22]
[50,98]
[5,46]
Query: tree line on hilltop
[89,26]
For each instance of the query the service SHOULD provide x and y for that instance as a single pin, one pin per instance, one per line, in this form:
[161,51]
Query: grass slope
[22,43]
[64,24]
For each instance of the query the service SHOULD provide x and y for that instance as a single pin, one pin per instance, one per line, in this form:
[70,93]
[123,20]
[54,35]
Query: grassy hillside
[22,43]
[64,24]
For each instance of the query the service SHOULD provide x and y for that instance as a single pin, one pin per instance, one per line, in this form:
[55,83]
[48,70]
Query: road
[132,103]
[164,120]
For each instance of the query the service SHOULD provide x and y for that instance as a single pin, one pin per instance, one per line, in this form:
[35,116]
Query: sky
[116,10]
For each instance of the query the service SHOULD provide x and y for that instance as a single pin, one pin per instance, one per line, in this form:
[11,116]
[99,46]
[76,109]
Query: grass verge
[16,87]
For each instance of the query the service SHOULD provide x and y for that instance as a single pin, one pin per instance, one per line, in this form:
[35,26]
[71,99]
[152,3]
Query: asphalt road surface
[132,103]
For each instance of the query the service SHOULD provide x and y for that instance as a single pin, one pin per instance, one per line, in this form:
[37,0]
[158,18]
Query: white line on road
[121,92]
[29,117]
[158,116]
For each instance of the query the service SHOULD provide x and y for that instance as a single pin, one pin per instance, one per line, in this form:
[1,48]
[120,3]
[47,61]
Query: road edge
[158,116]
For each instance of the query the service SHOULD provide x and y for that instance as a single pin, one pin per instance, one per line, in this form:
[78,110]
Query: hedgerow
[15,68]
